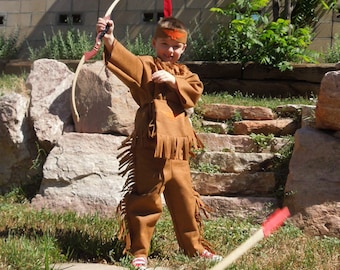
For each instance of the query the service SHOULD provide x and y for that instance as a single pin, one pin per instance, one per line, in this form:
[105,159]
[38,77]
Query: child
[159,148]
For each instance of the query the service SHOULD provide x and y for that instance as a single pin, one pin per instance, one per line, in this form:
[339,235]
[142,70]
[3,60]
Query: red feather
[167,8]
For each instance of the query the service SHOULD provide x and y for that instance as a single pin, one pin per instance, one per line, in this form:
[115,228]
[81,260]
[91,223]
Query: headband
[177,34]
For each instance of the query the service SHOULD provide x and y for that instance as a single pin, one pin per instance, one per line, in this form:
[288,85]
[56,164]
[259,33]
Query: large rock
[327,113]
[81,174]
[103,102]
[50,84]
[17,144]
[313,185]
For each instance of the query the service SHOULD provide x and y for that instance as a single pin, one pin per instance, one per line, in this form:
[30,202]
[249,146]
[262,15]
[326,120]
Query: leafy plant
[281,165]
[199,47]
[208,168]
[308,12]
[40,158]
[262,141]
[8,44]
[139,46]
[69,45]
[250,36]
[332,55]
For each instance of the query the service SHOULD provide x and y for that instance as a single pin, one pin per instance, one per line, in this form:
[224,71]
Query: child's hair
[173,28]
[172,23]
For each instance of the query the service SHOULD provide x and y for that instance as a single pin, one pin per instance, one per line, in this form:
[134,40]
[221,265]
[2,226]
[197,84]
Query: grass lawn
[31,239]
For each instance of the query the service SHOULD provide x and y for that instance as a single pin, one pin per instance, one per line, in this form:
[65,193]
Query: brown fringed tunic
[157,153]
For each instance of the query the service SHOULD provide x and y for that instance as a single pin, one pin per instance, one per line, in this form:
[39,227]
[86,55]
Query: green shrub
[250,36]
[69,45]
[140,46]
[8,45]
[333,53]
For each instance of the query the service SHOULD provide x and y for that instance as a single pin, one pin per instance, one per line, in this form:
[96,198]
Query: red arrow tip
[275,220]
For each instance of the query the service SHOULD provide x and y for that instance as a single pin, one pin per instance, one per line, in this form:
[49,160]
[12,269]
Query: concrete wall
[33,17]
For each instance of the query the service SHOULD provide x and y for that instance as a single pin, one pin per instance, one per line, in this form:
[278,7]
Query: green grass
[31,239]
[12,83]
[241,99]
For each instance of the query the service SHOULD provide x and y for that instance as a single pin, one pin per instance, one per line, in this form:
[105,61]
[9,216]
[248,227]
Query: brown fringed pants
[144,207]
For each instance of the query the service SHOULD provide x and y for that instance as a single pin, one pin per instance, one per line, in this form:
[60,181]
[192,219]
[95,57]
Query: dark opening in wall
[148,17]
[63,19]
[70,18]
[152,17]
[76,19]
[160,15]
[2,20]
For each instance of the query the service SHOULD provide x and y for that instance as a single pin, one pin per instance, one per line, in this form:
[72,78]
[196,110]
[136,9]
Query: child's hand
[162,76]
[108,38]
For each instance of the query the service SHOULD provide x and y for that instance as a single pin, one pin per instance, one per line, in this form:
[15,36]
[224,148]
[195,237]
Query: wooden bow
[88,55]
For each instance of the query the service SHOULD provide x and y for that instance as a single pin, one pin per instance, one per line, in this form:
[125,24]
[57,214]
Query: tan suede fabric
[159,163]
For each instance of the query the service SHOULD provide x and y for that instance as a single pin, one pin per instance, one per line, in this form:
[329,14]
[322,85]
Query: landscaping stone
[327,113]
[277,127]
[313,184]
[222,112]
[104,103]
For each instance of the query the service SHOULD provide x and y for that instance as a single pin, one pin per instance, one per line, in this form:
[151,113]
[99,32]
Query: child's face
[168,50]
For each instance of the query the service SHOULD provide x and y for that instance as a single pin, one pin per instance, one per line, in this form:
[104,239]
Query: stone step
[241,207]
[222,112]
[239,143]
[278,127]
[233,162]
[232,184]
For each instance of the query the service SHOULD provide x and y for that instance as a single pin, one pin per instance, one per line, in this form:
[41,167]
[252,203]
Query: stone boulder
[81,174]
[17,142]
[49,83]
[103,102]
[327,113]
[313,185]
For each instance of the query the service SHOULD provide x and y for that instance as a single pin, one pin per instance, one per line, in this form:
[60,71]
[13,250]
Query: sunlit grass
[31,239]
[239,98]
[12,83]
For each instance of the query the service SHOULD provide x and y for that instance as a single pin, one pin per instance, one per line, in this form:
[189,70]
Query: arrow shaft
[239,251]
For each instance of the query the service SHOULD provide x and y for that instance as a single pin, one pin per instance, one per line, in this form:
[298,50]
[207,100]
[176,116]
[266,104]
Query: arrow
[273,222]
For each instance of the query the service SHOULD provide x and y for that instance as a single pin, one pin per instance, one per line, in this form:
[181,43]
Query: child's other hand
[162,76]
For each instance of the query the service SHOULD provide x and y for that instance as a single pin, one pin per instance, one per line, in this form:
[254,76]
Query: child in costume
[157,155]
